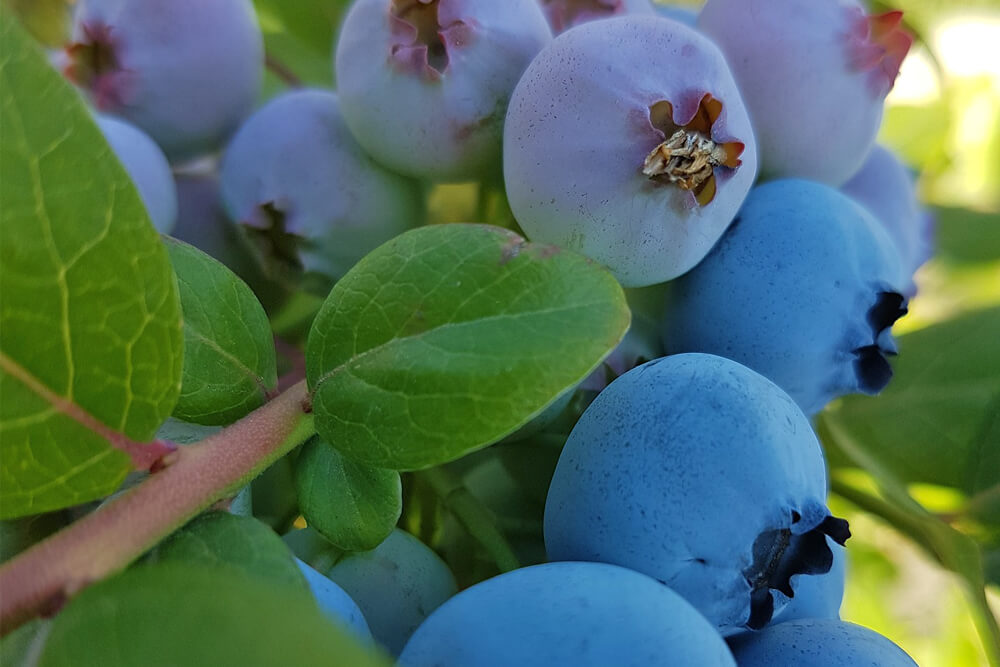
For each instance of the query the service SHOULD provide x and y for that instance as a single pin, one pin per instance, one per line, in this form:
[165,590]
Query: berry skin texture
[335,603]
[818,643]
[803,288]
[814,75]
[307,193]
[698,472]
[581,614]
[626,140]
[185,71]
[396,585]
[148,167]
[564,14]
[885,187]
[424,84]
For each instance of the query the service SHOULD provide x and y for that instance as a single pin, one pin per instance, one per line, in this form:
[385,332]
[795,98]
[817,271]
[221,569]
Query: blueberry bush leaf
[227,541]
[353,505]
[449,337]
[229,358]
[90,354]
[299,35]
[180,614]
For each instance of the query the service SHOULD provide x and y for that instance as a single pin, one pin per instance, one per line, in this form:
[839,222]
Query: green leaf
[229,360]
[299,37]
[90,355]
[19,534]
[449,337]
[938,421]
[354,506]
[228,541]
[179,614]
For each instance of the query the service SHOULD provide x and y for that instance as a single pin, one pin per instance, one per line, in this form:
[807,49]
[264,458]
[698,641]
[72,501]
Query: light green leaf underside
[229,359]
[354,506]
[89,313]
[180,614]
[241,543]
[449,337]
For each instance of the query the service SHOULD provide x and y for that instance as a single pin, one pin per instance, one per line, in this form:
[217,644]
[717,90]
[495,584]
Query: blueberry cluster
[724,160]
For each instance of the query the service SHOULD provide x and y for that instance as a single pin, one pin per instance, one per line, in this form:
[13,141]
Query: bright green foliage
[449,337]
[354,506]
[179,614]
[239,543]
[229,362]
[89,314]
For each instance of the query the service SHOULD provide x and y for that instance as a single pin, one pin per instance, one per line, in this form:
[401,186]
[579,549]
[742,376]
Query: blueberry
[336,603]
[814,76]
[396,585]
[818,643]
[885,187]
[685,15]
[424,84]
[803,288]
[148,167]
[698,472]
[185,71]
[581,614]
[307,193]
[564,14]
[626,140]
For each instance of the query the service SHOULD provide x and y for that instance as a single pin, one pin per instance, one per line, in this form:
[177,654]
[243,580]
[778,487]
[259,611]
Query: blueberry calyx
[780,554]
[275,244]
[689,155]
[423,40]
[94,64]
[872,367]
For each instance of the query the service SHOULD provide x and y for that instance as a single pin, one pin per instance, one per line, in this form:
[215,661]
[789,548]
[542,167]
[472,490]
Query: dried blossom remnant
[878,44]
[689,156]
[93,63]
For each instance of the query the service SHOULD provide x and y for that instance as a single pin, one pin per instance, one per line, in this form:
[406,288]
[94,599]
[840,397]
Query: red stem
[107,540]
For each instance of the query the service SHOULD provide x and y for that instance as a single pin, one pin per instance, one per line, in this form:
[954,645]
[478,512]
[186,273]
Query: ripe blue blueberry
[817,643]
[148,167]
[185,71]
[336,603]
[564,14]
[885,187]
[814,75]
[424,84]
[703,474]
[627,141]
[581,614]
[306,191]
[396,585]
[803,288]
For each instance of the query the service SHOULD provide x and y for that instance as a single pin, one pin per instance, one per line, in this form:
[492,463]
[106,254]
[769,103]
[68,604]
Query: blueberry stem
[192,479]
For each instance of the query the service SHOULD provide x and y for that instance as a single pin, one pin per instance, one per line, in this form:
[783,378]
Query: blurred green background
[924,546]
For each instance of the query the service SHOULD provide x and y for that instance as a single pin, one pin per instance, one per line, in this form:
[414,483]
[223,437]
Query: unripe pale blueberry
[564,14]
[817,643]
[396,585]
[335,603]
[626,140]
[185,71]
[307,192]
[703,474]
[885,187]
[148,167]
[814,75]
[580,614]
[803,288]
[424,84]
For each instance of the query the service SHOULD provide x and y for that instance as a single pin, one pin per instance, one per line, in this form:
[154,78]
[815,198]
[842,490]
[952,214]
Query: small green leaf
[937,422]
[18,534]
[224,540]
[179,614]
[449,337]
[354,506]
[229,361]
[90,354]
